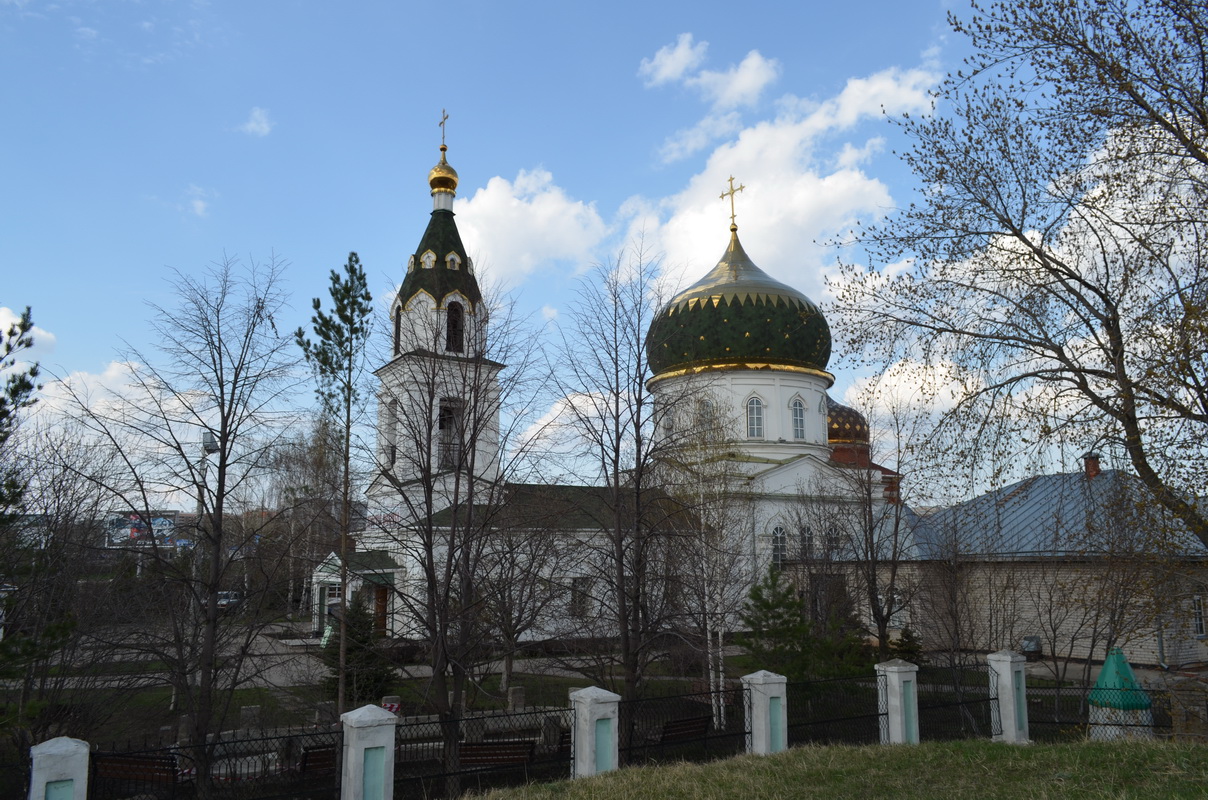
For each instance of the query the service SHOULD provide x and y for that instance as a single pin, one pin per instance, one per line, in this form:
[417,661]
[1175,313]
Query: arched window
[780,548]
[398,331]
[452,261]
[450,423]
[798,410]
[754,418]
[455,328]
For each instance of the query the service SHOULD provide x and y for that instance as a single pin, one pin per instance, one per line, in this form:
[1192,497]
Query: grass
[931,771]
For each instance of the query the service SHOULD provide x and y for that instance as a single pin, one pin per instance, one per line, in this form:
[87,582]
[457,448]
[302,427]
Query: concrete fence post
[1009,687]
[897,690]
[768,723]
[60,770]
[594,743]
[367,770]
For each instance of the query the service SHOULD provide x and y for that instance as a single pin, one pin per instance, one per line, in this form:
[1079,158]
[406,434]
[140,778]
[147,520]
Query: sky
[143,137]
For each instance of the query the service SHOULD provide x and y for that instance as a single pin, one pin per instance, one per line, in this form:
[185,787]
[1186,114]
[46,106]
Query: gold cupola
[443,178]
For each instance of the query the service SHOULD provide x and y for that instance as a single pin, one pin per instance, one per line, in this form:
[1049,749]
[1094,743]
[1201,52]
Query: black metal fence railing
[955,703]
[1066,714]
[444,759]
[835,711]
[14,776]
[700,726]
[268,766]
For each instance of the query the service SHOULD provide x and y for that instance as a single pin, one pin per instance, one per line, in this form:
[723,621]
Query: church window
[398,330]
[798,409]
[452,261]
[780,548]
[391,433]
[1197,615]
[754,418]
[580,597]
[455,327]
[450,423]
[428,259]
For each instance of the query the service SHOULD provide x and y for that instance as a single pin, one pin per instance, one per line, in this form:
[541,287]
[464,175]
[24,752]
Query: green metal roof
[442,238]
[738,313]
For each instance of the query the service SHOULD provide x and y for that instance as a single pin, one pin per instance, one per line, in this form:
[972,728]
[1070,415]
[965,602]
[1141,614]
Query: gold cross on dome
[444,117]
[731,194]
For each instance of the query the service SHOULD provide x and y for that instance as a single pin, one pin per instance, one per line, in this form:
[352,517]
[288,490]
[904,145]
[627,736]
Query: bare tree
[603,375]
[1053,265]
[198,426]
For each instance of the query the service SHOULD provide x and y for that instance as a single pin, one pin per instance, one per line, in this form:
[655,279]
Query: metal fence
[1068,714]
[274,765]
[957,703]
[835,711]
[444,759]
[14,775]
[700,726]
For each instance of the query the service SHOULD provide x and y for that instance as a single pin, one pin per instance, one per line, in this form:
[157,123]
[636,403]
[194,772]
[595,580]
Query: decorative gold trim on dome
[751,365]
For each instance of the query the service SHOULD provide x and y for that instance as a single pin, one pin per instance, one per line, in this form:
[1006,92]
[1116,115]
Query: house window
[449,423]
[455,327]
[780,548]
[798,409]
[754,418]
[580,597]
[398,330]
[1197,614]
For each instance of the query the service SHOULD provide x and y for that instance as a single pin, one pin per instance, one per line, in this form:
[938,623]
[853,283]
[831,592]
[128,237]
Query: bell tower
[438,392]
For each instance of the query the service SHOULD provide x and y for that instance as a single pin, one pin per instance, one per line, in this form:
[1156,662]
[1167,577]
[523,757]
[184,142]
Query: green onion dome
[845,425]
[738,316]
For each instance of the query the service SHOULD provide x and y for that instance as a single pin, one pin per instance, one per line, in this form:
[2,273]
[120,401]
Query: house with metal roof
[1076,562]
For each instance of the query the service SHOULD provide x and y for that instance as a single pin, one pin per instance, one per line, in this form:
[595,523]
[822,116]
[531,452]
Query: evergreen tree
[15,394]
[366,672]
[338,359]
[783,640]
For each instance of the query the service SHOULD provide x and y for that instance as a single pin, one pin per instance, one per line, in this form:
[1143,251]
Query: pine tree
[338,359]
[366,670]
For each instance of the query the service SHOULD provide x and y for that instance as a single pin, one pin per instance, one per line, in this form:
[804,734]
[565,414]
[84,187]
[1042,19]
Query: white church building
[744,348]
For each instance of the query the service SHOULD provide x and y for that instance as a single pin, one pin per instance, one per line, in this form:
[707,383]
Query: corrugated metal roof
[1066,515]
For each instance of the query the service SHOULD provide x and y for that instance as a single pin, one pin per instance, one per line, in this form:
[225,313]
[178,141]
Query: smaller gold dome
[443,178]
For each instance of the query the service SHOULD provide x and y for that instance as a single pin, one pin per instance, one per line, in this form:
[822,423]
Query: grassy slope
[932,771]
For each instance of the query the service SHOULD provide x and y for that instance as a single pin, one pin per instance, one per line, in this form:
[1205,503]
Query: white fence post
[898,695]
[768,723]
[60,770]
[1008,686]
[367,769]
[594,745]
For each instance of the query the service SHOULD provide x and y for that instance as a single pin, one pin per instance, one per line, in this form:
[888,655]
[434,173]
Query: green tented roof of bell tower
[1117,685]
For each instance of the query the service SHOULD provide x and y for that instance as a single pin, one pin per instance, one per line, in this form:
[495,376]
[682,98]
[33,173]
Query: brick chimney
[1090,464]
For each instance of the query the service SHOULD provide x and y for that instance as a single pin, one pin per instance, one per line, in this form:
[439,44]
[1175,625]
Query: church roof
[735,315]
[557,507]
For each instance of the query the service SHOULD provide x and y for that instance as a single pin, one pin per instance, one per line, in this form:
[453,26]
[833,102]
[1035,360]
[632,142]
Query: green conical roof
[442,238]
[1117,685]
[738,314]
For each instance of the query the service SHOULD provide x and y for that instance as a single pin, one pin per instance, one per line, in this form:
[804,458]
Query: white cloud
[86,34]
[803,187]
[258,123]
[527,222]
[549,313]
[740,85]
[686,142]
[671,62]
[197,202]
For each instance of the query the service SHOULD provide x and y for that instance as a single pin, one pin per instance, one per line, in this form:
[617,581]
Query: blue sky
[145,135]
